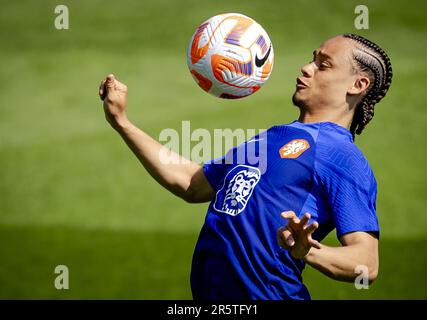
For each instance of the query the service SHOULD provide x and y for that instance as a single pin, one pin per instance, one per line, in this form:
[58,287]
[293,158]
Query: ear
[360,84]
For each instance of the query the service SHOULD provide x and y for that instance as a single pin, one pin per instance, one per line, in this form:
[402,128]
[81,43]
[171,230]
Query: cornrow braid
[369,58]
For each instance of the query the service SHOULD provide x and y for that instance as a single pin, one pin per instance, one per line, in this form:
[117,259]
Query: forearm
[167,167]
[182,177]
[340,263]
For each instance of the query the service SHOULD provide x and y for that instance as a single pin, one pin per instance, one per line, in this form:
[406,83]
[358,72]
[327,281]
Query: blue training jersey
[313,168]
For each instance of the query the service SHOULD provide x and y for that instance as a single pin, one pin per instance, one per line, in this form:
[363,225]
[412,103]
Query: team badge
[294,148]
[237,189]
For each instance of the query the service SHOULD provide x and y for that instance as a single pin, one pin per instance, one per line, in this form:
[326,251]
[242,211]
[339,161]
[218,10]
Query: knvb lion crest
[237,189]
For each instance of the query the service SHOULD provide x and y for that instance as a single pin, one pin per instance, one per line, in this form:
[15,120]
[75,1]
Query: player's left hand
[296,235]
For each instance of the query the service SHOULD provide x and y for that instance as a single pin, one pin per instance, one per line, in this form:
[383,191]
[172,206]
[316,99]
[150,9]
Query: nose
[307,70]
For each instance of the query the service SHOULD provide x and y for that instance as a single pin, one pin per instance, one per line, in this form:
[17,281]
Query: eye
[324,65]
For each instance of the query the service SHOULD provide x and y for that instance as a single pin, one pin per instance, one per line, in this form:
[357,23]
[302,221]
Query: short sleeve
[214,171]
[350,188]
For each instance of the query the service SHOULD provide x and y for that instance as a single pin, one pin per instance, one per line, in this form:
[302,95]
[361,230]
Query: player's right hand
[114,94]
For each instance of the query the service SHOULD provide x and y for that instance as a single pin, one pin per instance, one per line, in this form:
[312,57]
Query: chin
[296,100]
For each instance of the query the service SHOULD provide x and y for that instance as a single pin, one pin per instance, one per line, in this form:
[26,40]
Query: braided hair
[369,58]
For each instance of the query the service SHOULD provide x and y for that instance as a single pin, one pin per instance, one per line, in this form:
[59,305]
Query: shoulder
[294,130]
[338,156]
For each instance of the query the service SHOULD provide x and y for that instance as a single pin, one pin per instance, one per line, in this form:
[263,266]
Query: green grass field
[72,193]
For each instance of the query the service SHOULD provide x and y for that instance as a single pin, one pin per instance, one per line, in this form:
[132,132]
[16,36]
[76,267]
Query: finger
[280,238]
[283,242]
[312,227]
[110,81]
[102,90]
[288,214]
[287,237]
[291,216]
[305,219]
[121,86]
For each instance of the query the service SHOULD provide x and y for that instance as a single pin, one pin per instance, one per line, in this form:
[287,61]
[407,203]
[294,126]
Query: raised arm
[180,176]
[339,263]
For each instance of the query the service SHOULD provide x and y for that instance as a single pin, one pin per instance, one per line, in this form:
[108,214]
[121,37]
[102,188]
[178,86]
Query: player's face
[326,80]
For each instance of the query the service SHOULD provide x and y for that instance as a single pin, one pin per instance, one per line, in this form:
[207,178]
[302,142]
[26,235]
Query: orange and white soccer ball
[230,56]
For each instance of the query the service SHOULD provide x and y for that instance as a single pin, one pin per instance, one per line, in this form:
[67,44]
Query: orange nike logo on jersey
[294,148]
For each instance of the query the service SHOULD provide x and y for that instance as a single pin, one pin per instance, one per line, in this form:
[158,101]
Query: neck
[313,116]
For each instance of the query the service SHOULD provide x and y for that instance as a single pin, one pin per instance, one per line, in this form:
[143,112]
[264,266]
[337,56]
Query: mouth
[301,84]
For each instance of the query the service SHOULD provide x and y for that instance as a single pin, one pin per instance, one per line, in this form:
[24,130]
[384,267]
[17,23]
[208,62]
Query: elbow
[364,272]
[367,273]
[197,194]
[189,194]
[181,190]
[373,268]
[373,274]
[189,197]
[194,190]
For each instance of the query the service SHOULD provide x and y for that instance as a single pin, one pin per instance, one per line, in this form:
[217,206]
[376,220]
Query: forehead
[337,48]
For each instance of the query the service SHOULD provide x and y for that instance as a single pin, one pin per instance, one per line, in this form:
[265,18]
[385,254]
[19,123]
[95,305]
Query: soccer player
[262,228]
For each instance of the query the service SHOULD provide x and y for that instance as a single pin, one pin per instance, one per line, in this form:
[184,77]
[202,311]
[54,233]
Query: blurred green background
[72,193]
